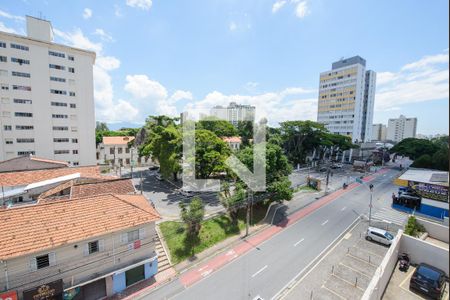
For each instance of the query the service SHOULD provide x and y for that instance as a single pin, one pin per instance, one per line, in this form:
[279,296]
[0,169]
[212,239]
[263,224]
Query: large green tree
[192,216]
[210,154]
[232,200]
[221,128]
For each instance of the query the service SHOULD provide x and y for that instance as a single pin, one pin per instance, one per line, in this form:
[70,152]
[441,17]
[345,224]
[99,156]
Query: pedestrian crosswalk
[389,215]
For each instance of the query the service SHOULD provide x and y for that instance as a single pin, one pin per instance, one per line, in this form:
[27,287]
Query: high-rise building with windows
[379,132]
[346,99]
[234,113]
[401,128]
[47,98]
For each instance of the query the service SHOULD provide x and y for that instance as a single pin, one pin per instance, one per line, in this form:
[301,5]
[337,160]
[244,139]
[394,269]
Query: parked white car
[379,235]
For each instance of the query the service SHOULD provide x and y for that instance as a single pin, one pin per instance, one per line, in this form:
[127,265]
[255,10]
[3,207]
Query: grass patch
[212,232]
[304,188]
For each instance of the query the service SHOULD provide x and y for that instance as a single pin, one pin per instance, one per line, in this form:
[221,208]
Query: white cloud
[6,15]
[423,80]
[5,28]
[142,4]
[278,5]
[117,11]
[107,63]
[302,10]
[140,86]
[76,38]
[180,95]
[103,35]
[232,26]
[87,13]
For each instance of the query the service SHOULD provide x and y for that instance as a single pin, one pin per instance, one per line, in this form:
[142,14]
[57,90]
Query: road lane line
[295,245]
[343,208]
[325,222]
[260,270]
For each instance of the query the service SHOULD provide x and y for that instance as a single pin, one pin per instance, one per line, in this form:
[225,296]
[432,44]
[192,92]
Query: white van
[379,235]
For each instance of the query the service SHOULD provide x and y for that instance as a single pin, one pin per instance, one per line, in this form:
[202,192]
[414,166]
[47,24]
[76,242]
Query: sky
[164,57]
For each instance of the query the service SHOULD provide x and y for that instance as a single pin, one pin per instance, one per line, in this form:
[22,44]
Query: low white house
[234,142]
[116,151]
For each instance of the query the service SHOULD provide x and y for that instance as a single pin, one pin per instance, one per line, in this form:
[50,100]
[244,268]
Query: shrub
[413,228]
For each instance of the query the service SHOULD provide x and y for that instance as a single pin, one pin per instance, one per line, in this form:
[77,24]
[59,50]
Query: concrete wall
[423,252]
[435,230]
[74,265]
[383,273]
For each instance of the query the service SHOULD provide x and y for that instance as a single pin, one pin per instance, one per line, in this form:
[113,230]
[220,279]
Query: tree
[221,128]
[245,131]
[210,154]
[232,201]
[424,161]
[414,148]
[101,126]
[192,216]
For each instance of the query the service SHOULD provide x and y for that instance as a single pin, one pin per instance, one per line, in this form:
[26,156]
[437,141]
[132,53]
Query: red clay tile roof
[32,228]
[117,186]
[117,140]
[27,177]
[232,139]
[64,163]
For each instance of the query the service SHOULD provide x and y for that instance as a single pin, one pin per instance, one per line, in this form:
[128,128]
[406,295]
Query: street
[268,267]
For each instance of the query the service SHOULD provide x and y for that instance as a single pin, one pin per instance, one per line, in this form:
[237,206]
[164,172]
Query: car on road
[153,168]
[379,235]
[337,166]
[429,281]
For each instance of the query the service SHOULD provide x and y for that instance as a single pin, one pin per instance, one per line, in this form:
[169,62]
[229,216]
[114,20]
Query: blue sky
[157,56]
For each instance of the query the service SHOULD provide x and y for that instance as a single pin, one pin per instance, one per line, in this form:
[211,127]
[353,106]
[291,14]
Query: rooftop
[232,139]
[39,227]
[426,176]
[27,177]
[23,163]
[117,140]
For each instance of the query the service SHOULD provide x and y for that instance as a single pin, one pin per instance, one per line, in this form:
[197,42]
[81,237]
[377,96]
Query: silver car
[379,235]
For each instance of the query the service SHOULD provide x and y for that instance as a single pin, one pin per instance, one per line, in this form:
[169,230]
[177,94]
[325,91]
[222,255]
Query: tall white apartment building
[47,97]
[379,132]
[346,99]
[234,113]
[401,128]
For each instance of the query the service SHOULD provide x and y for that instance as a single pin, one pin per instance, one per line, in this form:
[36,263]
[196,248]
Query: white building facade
[234,113]
[47,97]
[115,151]
[346,99]
[401,128]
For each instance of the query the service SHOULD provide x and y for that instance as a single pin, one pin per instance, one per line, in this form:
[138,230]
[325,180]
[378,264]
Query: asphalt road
[265,270]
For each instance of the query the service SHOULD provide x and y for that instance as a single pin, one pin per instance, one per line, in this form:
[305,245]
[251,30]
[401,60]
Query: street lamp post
[370,205]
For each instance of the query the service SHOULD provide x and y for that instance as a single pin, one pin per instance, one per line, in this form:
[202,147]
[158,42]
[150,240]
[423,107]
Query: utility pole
[327,180]
[370,205]
[249,204]
[131,150]
[142,188]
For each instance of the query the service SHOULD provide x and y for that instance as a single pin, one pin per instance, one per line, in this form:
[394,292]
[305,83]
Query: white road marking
[343,208]
[325,222]
[295,245]
[206,273]
[260,270]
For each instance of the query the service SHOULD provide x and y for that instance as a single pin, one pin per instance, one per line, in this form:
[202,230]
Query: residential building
[379,132]
[234,142]
[84,248]
[346,99]
[47,98]
[234,113]
[401,128]
[116,151]
[24,186]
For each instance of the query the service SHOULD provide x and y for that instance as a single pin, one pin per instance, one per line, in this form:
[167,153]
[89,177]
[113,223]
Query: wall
[383,273]
[423,252]
[435,230]
[73,266]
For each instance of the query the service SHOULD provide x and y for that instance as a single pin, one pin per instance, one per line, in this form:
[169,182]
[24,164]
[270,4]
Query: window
[74,151]
[23,101]
[70,57]
[58,92]
[93,247]
[61,128]
[127,161]
[3,73]
[59,116]
[21,88]
[23,114]
[73,105]
[71,70]
[58,104]
[28,140]
[42,261]
[2,45]
[75,163]
[9,141]
[58,79]
[62,152]
[20,47]
[24,127]
[57,67]
[132,236]
[127,150]
[72,94]
[119,150]
[57,54]
[20,153]
[3,59]
[4,87]
[21,74]
[111,150]
[7,127]
[60,140]
[75,141]
[20,61]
